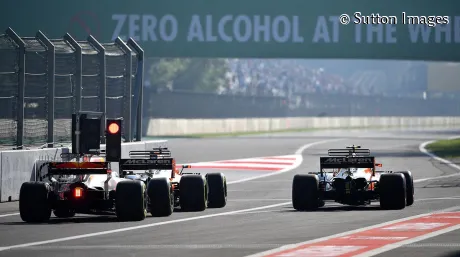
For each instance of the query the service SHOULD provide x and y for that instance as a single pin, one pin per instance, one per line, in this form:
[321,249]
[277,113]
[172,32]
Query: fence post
[78,70]
[21,87]
[51,85]
[140,84]
[129,75]
[103,86]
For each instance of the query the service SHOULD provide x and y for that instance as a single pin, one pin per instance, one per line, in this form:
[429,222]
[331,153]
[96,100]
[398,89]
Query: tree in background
[200,75]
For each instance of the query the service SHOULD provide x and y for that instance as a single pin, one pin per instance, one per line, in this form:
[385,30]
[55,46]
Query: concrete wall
[17,167]
[177,127]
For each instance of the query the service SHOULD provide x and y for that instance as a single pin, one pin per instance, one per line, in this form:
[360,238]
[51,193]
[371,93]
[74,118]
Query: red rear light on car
[78,192]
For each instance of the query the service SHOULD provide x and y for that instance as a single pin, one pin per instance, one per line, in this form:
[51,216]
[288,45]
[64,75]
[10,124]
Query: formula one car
[348,176]
[148,181]
[91,187]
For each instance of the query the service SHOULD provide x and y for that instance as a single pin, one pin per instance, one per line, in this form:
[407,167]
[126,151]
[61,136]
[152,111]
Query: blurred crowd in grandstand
[286,78]
[293,77]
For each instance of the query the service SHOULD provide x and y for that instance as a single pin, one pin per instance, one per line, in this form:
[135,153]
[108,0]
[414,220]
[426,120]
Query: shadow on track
[83,219]
[455,253]
[74,220]
[338,209]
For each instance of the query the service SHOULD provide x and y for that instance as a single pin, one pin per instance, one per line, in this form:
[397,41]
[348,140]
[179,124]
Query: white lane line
[298,162]
[441,245]
[422,148]
[9,214]
[153,247]
[439,198]
[292,246]
[254,212]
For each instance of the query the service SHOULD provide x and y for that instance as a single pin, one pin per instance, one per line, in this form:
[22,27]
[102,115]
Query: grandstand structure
[44,81]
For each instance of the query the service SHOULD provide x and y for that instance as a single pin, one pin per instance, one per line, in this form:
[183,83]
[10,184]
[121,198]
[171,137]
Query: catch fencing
[44,81]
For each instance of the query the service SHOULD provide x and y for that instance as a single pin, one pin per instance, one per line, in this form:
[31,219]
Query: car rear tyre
[193,193]
[34,204]
[63,213]
[217,184]
[305,192]
[161,200]
[392,187]
[409,187]
[130,201]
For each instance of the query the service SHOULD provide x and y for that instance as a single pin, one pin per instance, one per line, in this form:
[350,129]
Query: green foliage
[201,75]
[445,148]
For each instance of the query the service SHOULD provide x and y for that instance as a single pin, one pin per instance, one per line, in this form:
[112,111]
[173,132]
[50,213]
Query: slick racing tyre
[392,187]
[305,192]
[193,193]
[130,201]
[63,213]
[409,187]
[34,203]
[217,184]
[161,200]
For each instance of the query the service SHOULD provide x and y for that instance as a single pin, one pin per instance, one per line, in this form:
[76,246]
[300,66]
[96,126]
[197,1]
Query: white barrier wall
[178,127]
[17,167]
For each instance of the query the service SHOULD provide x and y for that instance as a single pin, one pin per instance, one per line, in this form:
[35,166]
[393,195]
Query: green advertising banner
[358,29]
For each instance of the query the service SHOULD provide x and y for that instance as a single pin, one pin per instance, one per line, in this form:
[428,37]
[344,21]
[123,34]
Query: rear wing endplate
[347,162]
[147,164]
[77,168]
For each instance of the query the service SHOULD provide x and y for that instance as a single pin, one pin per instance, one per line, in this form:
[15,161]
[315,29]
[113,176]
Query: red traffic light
[113,128]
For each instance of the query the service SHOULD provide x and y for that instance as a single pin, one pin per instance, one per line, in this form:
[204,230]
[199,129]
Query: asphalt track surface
[259,214]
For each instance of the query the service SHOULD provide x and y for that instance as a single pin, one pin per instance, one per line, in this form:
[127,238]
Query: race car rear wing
[347,162]
[147,164]
[155,153]
[349,152]
[77,168]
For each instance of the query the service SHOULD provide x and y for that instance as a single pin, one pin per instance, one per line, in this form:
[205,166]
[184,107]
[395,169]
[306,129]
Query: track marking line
[9,214]
[422,148]
[289,249]
[153,247]
[441,245]
[439,198]
[254,212]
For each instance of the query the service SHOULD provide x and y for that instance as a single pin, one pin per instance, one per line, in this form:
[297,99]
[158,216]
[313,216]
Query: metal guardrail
[43,81]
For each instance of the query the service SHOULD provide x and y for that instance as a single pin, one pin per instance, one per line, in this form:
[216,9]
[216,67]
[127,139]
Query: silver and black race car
[349,176]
